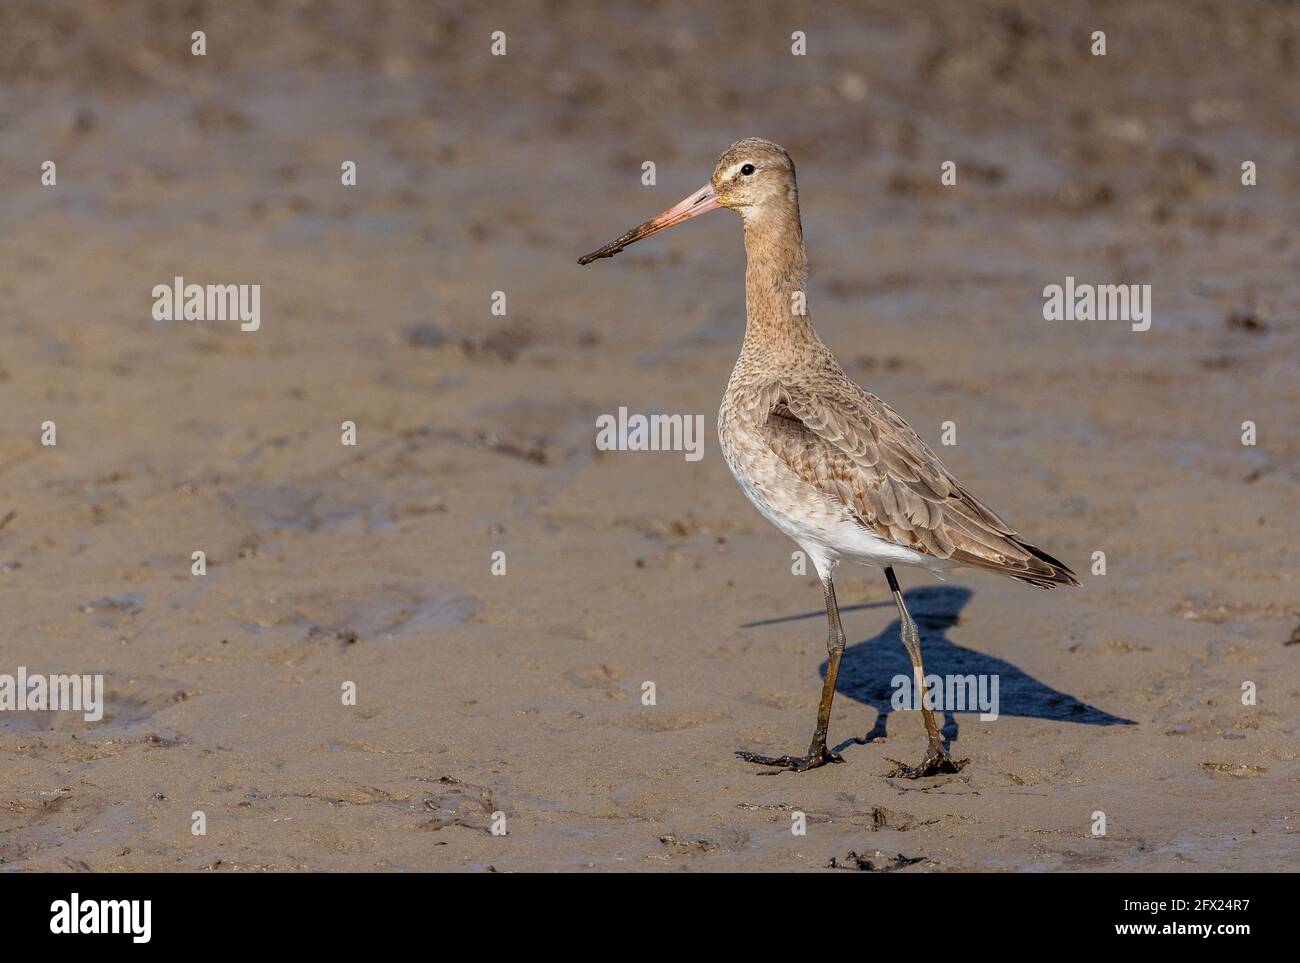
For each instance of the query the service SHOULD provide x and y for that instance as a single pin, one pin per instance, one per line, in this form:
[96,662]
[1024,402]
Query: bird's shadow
[867,669]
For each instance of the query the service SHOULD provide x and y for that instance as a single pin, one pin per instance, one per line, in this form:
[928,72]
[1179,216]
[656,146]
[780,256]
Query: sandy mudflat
[521,693]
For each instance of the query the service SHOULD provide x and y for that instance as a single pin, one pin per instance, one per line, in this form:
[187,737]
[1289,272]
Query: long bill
[696,203]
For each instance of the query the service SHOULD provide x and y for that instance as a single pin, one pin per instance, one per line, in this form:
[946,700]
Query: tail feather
[1058,572]
[1041,570]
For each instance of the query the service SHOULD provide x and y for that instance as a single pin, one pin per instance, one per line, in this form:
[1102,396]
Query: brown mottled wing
[853,447]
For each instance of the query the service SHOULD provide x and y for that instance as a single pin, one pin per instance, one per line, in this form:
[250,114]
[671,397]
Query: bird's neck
[776,273]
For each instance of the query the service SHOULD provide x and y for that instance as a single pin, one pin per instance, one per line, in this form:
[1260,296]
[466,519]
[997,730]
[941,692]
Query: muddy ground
[521,693]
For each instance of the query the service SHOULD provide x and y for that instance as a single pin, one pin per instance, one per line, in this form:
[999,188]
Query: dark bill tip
[693,205]
[612,248]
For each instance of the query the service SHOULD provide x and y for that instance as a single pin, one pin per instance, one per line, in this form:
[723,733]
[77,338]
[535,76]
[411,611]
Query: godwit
[825,461]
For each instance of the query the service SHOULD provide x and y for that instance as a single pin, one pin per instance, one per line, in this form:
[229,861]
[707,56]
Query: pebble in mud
[878,862]
[732,840]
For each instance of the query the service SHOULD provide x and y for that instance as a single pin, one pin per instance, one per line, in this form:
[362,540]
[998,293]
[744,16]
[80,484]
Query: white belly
[822,526]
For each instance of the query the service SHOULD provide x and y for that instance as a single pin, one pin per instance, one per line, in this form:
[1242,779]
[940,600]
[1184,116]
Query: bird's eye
[747,169]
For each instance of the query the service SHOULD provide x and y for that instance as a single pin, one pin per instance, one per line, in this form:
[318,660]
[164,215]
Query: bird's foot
[937,762]
[817,756]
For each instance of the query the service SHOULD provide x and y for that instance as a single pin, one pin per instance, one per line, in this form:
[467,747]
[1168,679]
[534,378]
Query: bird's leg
[936,759]
[818,754]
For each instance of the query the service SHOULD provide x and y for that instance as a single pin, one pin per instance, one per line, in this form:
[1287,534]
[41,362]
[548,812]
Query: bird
[827,462]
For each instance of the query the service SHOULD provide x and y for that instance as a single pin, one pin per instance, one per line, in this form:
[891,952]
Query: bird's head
[753,177]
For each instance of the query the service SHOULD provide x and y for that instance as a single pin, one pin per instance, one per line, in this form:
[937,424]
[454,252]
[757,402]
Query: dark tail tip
[1059,573]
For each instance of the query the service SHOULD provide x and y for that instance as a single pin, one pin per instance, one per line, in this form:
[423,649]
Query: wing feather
[851,446]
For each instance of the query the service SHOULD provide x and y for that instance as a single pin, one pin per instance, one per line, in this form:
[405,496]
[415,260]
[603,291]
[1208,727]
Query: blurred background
[477,174]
